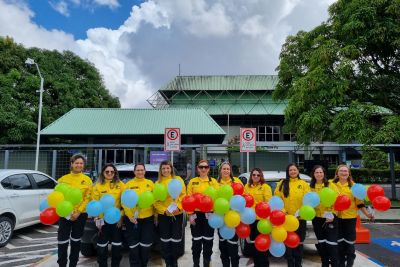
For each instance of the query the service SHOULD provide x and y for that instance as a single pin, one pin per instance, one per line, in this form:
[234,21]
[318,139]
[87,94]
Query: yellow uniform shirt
[350,213]
[161,206]
[321,209]
[83,183]
[260,193]
[199,185]
[112,189]
[139,185]
[297,189]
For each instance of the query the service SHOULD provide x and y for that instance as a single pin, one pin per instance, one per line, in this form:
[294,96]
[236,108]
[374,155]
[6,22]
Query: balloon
[43,205]
[237,203]
[277,249]
[327,196]
[74,195]
[276,203]
[197,197]
[249,200]
[64,208]
[381,203]
[291,223]
[62,188]
[212,192]
[262,209]
[248,216]
[359,191]
[279,233]
[129,198]
[226,232]
[311,199]
[221,206]
[238,188]
[232,219]
[160,192]
[146,199]
[225,191]
[243,230]
[112,215]
[366,198]
[94,208]
[375,191]
[277,217]
[264,226]
[107,201]
[175,188]
[49,216]
[262,242]
[54,198]
[307,213]
[206,204]
[292,240]
[189,203]
[342,203]
[215,221]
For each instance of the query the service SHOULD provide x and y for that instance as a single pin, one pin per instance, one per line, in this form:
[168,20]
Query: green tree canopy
[70,82]
[342,79]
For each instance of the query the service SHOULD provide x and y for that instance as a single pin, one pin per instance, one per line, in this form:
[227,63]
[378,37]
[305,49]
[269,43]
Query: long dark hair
[115,179]
[349,179]
[285,183]
[168,163]
[314,181]
[220,169]
[262,180]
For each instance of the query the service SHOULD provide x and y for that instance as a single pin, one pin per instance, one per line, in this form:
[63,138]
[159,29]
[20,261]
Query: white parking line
[27,252]
[32,239]
[45,232]
[54,225]
[11,246]
[21,259]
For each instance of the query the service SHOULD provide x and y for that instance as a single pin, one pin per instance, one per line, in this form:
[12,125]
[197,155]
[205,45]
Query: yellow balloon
[291,223]
[54,198]
[279,234]
[232,219]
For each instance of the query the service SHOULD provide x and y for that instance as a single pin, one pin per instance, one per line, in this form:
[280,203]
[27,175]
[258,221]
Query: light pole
[30,61]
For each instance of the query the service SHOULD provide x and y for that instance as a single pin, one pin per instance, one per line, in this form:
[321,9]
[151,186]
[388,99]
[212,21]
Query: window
[19,182]
[268,133]
[6,183]
[43,182]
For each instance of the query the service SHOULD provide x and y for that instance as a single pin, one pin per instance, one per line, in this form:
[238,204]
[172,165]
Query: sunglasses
[109,172]
[203,167]
[256,175]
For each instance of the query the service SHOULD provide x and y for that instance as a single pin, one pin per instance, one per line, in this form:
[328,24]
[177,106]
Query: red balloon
[189,203]
[249,200]
[49,216]
[375,191]
[262,242]
[238,188]
[342,203]
[206,204]
[243,230]
[381,203]
[263,210]
[277,217]
[197,197]
[292,240]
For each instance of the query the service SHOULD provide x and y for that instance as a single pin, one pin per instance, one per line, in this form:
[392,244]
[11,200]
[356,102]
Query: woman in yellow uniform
[71,230]
[325,222]
[261,192]
[202,233]
[139,223]
[170,216]
[347,218]
[228,248]
[292,190]
[109,183]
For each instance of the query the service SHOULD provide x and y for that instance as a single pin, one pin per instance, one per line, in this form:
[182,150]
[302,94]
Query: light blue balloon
[174,188]
[216,221]
[248,216]
[227,232]
[359,191]
[237,203]
[112,215]
[277,249]
[275,203]
[43,205]
[129,198]
[107,201]
[94,208]
[311,199]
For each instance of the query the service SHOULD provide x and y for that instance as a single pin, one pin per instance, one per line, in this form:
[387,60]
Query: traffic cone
[362,234]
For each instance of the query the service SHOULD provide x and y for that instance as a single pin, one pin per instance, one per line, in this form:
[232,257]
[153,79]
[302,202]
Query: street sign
[172,139]
[247,139]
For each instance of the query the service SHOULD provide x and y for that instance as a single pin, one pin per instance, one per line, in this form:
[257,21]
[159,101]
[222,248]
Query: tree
[70,82]
[342,79]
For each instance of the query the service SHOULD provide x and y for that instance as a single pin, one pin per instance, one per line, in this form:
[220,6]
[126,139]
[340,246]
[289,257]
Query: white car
[21,192]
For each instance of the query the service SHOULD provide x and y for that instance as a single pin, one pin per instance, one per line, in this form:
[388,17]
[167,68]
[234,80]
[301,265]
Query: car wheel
[6,230]
[87,250]
[244,247]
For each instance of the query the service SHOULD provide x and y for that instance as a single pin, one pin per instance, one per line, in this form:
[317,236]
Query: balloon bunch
[105,206]
[310,201]
[376,195]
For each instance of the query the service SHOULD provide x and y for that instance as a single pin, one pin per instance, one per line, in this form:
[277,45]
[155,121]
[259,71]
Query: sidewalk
[389,216]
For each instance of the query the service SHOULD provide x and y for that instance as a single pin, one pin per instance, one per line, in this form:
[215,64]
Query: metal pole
[172,157]
[392,174]
[54,164]
[39,119]
[248,162]
[6,158]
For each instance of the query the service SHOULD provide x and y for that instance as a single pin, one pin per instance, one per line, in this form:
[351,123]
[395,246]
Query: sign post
[172,141]
[248,142]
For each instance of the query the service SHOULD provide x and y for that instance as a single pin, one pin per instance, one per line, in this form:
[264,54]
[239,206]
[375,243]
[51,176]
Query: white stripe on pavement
[10,246]
[27,252]
[45,232]
[32,239]
[21,259]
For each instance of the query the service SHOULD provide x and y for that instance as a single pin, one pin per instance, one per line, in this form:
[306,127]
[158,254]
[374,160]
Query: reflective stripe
[146,245]
[222,240]
[197,238]
[63,242]
[134,246]
[249,241]
[331,243]
[349,242]
[322,241]
[340,240]
[232,242]
[208,238]
[176,240]
[102,245]
[75,239]
[165,240]
[116,244]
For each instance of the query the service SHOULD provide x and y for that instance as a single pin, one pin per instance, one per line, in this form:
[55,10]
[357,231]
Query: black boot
[196,262]
[206,262]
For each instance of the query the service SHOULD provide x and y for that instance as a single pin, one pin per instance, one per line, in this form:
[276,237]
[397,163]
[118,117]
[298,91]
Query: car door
[44,184]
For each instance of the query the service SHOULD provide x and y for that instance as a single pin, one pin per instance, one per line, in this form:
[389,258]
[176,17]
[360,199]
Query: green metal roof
[108,121]
[239,109]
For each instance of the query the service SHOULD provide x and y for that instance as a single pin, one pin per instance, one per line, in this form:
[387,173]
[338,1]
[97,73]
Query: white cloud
[109,3]
[61,7]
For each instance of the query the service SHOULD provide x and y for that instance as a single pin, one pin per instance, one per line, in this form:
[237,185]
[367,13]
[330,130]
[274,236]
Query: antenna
[179,69]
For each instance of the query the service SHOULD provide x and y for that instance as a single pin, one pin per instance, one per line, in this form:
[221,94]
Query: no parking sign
[247,139]
[172,139]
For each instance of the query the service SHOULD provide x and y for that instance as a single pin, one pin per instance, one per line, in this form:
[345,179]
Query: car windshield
[126,176]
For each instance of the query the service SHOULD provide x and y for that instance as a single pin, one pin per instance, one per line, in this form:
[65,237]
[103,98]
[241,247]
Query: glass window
[43,182]
[6,183]
[20,181]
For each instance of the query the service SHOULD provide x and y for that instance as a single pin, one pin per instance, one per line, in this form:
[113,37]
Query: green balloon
[146,199]
[62,188]
[74,195]
[307,212]
[327,196]
[264,226]
[225,191]
[211,192]
[221,206]
[160,192]
[64,208]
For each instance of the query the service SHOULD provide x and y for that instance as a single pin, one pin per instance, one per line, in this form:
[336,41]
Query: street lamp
[30,61]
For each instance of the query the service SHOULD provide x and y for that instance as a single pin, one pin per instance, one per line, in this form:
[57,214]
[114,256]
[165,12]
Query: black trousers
[70,232]
[139,238]
[109,233]
[294,256]
[346,240]
[260,258]
[170,230]
[229,251]
[327,235]
[202,239]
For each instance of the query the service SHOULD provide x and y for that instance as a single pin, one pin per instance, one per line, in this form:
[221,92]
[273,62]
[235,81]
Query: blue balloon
[107,201]
[277,249]
[174,188]
[311,199]
[248,216]
[216,221]
[227,232]
[359,191]
[275,203]
[112,215]
[129,198]
[237,203]
[43,205]
[94,208]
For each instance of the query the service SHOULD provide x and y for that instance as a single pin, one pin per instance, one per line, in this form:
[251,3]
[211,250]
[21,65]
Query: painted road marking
[33,239]
[11,246]
[392,244]
[45,232]
[21,259]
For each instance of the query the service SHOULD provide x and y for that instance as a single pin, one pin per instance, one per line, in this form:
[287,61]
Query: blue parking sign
[392,244]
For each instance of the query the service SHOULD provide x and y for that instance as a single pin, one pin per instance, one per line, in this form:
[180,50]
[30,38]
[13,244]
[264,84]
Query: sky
[138,45]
